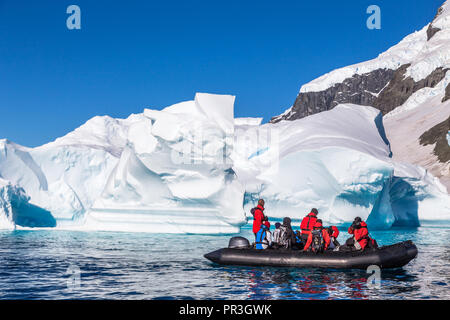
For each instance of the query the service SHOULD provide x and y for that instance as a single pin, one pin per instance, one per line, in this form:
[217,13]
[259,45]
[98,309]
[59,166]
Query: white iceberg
[15,209]
[194,168]
[339,162]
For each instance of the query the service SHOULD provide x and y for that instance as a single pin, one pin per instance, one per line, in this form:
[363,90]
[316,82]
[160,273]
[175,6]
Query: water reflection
[286,283]
[33,265]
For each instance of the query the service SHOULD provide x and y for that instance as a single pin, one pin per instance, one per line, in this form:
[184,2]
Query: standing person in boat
[258,216]
[308,223]
[318,239]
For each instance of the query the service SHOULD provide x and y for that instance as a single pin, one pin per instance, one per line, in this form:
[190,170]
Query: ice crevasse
[194,168]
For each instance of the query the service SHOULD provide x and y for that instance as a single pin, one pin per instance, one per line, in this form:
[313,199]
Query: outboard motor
[239,243]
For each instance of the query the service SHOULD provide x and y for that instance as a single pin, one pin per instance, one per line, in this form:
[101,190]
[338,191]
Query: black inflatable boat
[240,253]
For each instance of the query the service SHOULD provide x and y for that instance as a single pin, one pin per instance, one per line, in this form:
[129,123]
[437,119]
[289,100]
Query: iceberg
[184,183]
[163,171]
[194,168]
[9,195]
[15,209]
[338,161]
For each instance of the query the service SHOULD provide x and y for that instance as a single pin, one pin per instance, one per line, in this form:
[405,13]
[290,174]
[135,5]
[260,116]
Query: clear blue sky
[135,54]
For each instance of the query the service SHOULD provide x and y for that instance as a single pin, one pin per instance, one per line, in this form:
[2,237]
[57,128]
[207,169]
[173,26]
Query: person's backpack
[318,243]
[276,236]
[285,239]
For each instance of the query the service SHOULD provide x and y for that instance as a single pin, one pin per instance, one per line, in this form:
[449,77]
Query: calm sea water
[44,265]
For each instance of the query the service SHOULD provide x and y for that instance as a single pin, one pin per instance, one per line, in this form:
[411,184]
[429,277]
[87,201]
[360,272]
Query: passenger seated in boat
[287,236]
[361,238]
[269,235]
[318,239]
[308,223]
[333,232]
[276,236]
[298,241]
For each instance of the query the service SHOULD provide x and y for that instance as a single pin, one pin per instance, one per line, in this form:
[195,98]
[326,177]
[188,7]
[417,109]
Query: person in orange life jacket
[308,223]
[323,233]
[360,234]
[258,216]
[333,232]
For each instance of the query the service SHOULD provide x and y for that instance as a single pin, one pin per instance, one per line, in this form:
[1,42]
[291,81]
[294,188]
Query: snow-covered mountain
[194,168]
[409,84]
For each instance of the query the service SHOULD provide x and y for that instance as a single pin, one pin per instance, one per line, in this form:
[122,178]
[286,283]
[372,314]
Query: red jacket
[361,235]
[335,233]
[325,235]
[258,218]
[308,223]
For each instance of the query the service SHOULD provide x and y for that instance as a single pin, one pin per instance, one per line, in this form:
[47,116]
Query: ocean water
[50,264]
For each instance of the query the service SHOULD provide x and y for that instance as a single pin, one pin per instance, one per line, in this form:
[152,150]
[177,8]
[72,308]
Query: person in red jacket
[360,234]
[308,223]
[334,232]
[322,236]
[258,216]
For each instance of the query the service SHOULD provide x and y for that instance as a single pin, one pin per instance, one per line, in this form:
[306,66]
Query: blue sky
[134,54]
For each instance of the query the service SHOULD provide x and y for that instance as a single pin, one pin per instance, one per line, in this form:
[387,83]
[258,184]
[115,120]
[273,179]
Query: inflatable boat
[239,252]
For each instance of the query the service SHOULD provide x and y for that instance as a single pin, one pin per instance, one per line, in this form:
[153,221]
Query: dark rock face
[359,89]
[431,31]
[384,89]
[447,93]
[438,135]
[401,88]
